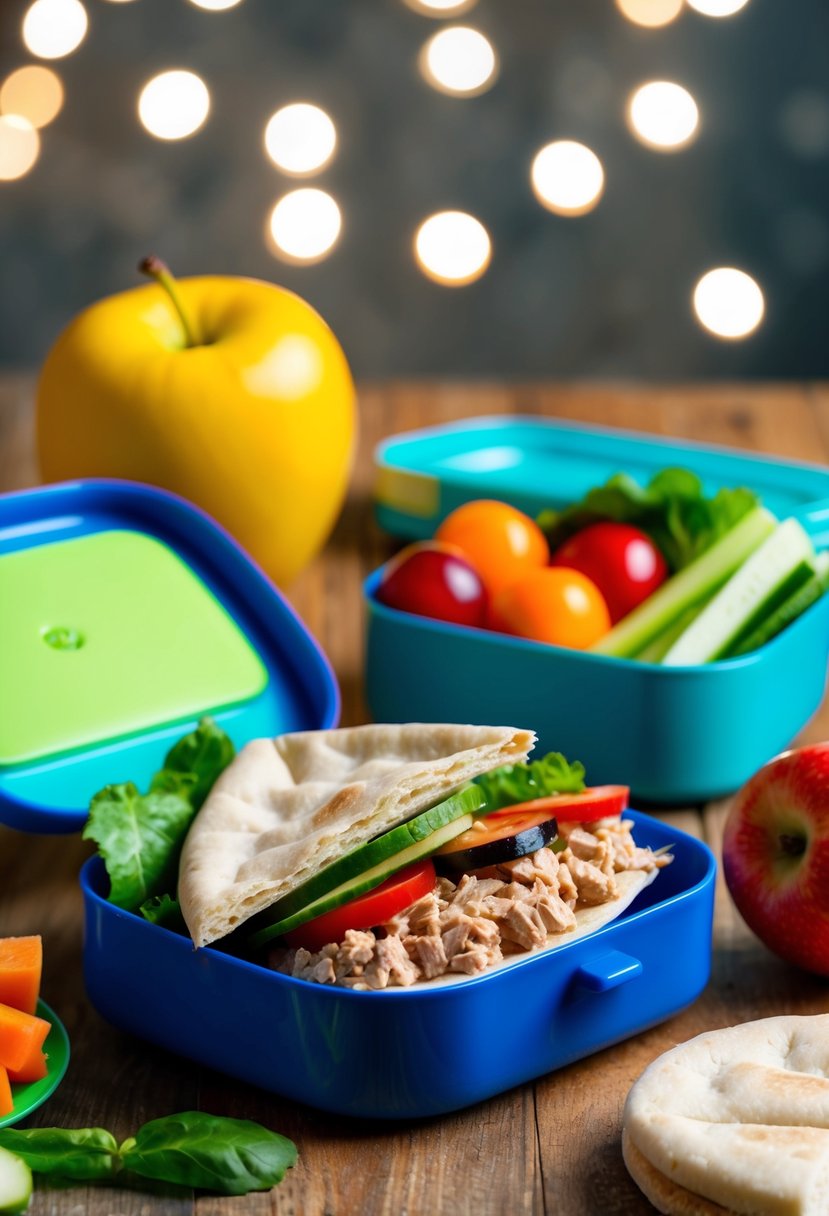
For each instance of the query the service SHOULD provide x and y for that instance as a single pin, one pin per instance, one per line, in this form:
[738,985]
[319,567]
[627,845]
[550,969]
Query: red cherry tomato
[596,802]
[562,607]
[434,580]
[623,562]
[501,542]
[373,908]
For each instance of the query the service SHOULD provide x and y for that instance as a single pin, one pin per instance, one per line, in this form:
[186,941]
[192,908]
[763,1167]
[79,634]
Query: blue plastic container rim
[93,880]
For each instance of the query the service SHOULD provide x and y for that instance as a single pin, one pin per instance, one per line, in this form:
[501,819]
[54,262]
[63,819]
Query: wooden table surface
[551,1146]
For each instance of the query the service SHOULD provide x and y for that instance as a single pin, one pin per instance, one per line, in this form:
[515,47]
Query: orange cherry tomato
[501,542]
[555,605]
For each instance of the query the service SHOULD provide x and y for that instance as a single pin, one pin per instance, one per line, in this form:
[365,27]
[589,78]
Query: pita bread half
[289,806]
[739,1117]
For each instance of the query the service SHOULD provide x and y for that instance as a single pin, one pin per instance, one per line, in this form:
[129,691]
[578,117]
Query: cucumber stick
[656,650]
[786,612]
[687,588]
[778,569]
[365,881]
[15,1183]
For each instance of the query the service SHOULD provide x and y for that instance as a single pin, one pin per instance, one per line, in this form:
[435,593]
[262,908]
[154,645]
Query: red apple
[776,856]
[432,579]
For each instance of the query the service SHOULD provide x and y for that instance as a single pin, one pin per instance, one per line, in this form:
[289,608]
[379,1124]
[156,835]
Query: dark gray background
[606,294]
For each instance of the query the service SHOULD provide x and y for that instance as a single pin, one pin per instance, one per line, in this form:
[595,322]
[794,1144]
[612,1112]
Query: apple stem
[155,268]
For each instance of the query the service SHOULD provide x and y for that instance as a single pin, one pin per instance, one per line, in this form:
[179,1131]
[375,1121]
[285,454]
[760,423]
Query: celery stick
[689,587]
[785,613]
[773,572]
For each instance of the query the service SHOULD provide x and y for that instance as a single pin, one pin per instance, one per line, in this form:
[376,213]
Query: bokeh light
[717,8]
[300,138]
[215,6]
[305,225]
[441,8]
[567,177]
[663,115]
[33,92]
[54,28]
[460,61]
[19,146]
[174,104]
[729,303]
[650,13]
[452,248]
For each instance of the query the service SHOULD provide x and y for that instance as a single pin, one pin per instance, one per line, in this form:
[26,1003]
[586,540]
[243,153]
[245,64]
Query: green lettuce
[672,508]
[139,836]
[514,783]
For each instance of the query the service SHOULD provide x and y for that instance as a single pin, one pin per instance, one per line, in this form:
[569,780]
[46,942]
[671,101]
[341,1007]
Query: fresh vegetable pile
[498,865]
[22,1032]
[659,573]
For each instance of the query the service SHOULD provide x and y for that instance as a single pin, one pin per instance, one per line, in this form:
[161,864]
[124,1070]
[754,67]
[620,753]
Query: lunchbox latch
[608,970]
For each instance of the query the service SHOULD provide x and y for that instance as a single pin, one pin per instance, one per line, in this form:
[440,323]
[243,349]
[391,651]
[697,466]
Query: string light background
[468,187]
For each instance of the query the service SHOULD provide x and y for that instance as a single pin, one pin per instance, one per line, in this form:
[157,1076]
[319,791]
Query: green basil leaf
[230,1156]
[514,783]
[139,839]
[203,754]
[87,1154]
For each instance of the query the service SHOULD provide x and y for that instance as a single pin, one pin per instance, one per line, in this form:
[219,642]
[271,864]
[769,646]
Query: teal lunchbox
[673,734]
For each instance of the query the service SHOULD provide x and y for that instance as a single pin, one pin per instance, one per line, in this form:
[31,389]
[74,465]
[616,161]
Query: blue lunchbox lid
[540,463]
[246,658]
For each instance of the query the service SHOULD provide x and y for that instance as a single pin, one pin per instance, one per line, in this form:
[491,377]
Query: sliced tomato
[497,838]
[596,802]
[373,908]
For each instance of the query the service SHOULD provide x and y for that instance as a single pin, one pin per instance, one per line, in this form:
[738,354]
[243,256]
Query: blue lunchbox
[406,1052]
[125,615]
[674,735]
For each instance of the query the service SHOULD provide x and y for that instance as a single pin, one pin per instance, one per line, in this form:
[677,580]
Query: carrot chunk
[21,961]
[6,1104]
[20,1034]
[33,1068]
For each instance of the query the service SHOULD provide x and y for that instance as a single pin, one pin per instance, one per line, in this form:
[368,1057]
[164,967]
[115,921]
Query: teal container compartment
[247,660]
[672,734]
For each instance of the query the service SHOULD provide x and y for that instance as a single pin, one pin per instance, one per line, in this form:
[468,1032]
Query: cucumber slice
[786,612]
[15,1183]
[656,650]
[767,578]
[689,587]
[365,881]
[367,856]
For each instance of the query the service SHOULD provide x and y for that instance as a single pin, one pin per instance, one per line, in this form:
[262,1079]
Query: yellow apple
[229,391]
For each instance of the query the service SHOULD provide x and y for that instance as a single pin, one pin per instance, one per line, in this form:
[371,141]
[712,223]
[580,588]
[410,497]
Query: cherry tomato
[373,908]
[501,542]
[434,580]
[623,562]
[596,802]
[559,606]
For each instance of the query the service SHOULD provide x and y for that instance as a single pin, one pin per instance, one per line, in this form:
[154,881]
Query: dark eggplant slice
[502,839]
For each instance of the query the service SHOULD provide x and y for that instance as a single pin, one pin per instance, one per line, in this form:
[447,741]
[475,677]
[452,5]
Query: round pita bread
[738,1117]
[287,807]
[666,1196]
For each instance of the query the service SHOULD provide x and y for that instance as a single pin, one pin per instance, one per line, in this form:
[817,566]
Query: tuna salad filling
[489,914]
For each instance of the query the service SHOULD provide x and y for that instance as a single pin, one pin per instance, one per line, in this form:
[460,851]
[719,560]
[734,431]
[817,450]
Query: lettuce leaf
[672,508]
[139,836]
[514,783]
